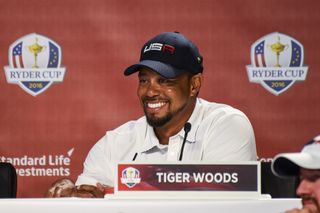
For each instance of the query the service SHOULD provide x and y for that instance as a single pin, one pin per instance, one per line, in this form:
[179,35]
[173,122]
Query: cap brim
[288,164]
[162,69]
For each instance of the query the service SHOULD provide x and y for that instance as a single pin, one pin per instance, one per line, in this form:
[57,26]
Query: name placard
[231,177]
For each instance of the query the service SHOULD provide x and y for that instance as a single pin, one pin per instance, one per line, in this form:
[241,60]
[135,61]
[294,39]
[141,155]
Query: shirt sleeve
[230,139]
[98,167]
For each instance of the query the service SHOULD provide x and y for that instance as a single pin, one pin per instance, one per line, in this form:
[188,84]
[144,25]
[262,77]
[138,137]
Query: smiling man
[306,165]
[177,126]
[167,103]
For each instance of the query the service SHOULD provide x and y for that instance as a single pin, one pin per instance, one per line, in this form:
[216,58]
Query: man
[306,165]
[177,124]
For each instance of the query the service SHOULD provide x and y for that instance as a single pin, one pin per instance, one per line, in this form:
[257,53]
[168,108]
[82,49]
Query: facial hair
[312,199]
[159,122]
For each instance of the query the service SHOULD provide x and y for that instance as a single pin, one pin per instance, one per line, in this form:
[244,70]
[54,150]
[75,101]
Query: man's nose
[153,89]
[304,187]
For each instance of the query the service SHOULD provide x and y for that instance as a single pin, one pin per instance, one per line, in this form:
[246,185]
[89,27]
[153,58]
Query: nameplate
[235,177]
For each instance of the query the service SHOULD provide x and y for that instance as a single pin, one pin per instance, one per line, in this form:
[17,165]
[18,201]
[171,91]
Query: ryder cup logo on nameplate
[277,62]
[34,63]
[130,177]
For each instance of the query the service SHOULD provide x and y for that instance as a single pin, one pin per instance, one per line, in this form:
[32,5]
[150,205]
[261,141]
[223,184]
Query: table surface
[147,205]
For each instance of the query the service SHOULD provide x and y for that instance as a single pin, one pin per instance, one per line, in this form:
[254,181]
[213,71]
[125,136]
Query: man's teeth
[156,105]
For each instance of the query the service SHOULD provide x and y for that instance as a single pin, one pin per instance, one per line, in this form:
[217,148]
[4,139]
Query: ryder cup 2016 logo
[130,177]
[34,63]
[276,62]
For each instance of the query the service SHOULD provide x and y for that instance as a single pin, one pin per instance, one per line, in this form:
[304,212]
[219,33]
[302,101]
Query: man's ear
[195,84]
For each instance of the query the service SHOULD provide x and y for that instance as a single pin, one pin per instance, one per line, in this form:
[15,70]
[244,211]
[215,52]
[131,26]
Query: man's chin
[157,122]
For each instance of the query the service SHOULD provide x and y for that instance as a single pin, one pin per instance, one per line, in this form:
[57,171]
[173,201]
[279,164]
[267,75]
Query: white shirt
[219,133]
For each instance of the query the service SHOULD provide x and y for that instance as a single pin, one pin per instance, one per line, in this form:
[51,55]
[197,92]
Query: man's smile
[154,106]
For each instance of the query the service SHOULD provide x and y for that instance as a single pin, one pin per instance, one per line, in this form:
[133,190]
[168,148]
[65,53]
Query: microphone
[135,156]
[187,128]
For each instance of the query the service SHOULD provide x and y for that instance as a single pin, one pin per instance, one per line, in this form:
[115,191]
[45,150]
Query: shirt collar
[152,140]
[193,120]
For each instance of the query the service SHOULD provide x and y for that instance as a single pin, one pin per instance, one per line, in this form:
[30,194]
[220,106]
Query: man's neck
[174,126]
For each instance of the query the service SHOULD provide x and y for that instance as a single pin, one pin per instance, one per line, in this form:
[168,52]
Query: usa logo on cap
[34,63]
[277,62]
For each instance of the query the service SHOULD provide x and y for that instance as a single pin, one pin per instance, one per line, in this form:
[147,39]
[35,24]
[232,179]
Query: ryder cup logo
[130,177]
[276,62]
[34,63]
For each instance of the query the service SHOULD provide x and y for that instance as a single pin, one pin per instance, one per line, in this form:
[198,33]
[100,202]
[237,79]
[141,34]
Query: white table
[126,205]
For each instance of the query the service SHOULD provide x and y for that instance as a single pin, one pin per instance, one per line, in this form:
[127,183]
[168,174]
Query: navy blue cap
[169,54]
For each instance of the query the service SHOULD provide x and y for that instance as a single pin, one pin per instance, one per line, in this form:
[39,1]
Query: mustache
[306,198]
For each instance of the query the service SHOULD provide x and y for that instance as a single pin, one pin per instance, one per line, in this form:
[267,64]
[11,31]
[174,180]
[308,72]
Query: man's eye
[165,81]
[311,178]
[142,81]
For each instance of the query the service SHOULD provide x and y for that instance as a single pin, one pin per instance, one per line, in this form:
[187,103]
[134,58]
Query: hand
[66,188]
[61,188]
[89,191]
[298,211]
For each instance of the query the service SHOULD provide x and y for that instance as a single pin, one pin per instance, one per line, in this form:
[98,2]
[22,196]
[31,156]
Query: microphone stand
[187,128]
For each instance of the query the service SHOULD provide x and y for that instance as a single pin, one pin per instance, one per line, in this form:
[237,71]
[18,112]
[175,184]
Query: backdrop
[48,136]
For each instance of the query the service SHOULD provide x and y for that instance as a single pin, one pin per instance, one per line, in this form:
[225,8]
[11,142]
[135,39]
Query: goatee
[159,122]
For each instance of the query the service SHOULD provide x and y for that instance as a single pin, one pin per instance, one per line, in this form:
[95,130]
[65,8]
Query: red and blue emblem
[130,177]
[277,62]
[34,63]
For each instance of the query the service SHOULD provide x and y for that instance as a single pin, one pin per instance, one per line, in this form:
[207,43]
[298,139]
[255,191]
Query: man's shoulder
[218,109]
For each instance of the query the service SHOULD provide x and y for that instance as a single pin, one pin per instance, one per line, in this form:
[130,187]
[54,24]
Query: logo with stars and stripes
[130,177]
[34,63]
[277,62]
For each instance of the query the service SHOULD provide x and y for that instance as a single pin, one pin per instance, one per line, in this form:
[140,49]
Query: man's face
[309,189]
[163,99]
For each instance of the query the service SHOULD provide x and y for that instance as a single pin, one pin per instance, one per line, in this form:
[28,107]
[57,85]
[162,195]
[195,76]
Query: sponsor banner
[188,177]
[277,62]
[41,166]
